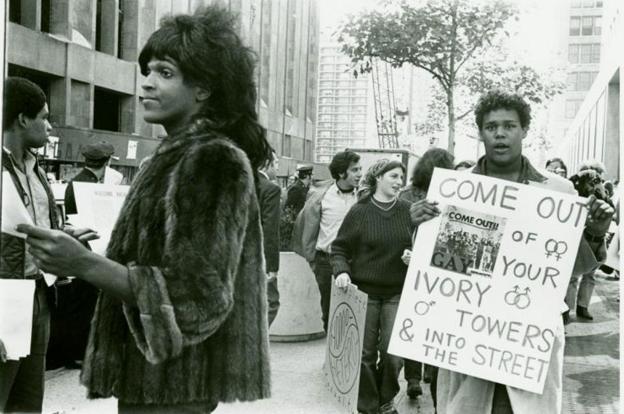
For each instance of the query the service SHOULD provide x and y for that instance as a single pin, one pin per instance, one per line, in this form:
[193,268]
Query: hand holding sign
[423,210]
[599,217]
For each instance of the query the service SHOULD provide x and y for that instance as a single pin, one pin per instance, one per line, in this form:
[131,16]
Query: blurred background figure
[417,191]
[557,166]
[298,192]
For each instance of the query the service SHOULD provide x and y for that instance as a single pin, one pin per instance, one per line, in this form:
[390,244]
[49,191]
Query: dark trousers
[501,403]
[413,371]
[272,299]
[190,408]
[71,309]
[22,381]
[323,273]
[379,370]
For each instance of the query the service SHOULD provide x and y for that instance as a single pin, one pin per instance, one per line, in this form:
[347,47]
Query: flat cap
[98,151]
[305,168]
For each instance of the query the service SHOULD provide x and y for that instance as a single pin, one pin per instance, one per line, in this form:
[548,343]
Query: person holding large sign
[181,323]
[367,252]
[503,121]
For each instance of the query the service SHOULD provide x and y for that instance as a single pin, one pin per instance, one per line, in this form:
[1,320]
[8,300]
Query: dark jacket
[296,198]
[189,233]
[269,198]
[13,249]
[84,176]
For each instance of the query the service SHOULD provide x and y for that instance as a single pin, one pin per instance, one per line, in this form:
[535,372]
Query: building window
[575,26]
[584,81]
[595,53]
[586,26]
[106,110]
[573,53]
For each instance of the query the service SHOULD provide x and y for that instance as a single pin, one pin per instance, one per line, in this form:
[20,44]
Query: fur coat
[189,233]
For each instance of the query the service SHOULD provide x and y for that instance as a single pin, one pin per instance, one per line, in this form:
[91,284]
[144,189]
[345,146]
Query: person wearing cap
[75,301]
[298,192]
[97,157]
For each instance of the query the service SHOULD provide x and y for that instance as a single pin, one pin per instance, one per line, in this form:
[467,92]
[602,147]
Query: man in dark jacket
[269,200]
[75,300]
[26,127]
[298,192]
[97,157]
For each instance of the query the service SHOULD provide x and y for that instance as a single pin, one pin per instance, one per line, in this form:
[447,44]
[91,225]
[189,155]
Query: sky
[537,39]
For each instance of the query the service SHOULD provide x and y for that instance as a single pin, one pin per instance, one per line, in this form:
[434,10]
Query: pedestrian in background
[181,323]
[557,166]
[318,222]
[415,193]
[587,182]
[74,301]
[269,200]
[367,252]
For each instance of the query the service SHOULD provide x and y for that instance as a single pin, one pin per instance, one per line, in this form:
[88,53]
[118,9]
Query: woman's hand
[423,210]
[343,280]
[55,251]
[407,256]
[82,234]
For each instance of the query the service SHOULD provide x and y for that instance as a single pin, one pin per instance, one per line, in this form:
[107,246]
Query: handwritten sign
[347,315]
[484,293]
[98,207]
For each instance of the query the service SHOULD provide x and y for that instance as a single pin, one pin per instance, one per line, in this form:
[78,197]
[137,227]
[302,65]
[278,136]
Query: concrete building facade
[83,53]
[597,130]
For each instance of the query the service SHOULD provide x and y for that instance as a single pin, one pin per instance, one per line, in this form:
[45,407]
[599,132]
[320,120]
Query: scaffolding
[385,105]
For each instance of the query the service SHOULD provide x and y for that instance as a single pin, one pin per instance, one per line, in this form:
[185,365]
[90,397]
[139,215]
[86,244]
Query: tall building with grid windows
[597,129]
[83,54]
[345,108]
[584,47]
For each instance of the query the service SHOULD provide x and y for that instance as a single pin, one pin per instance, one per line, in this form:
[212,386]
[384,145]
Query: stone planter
[299,315]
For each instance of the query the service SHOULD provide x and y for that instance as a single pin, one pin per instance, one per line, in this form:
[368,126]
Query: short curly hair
[493,100]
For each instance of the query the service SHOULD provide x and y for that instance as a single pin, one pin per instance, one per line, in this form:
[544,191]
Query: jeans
[273,299]
[585,291]
[379,372]
[22,381]
[189,408]
[323,273]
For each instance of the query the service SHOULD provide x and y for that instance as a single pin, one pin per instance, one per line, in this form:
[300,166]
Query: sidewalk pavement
[591,373]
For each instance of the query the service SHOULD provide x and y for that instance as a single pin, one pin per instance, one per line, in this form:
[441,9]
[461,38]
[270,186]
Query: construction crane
[385,106]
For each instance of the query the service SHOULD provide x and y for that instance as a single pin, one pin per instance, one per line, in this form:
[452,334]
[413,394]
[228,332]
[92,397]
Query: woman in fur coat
[181,323]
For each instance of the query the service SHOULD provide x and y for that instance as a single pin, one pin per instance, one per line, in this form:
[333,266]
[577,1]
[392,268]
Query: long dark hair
[210,54]
[434,157]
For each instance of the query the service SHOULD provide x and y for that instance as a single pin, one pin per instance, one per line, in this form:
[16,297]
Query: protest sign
[16,311]
[487,278]
[13,210]
[345,335]
[98,206]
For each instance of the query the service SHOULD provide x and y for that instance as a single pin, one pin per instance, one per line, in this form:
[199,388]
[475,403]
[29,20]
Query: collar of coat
[199,128]
[527,171]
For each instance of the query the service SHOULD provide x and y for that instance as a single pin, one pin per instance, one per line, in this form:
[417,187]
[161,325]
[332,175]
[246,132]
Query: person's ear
[22,120]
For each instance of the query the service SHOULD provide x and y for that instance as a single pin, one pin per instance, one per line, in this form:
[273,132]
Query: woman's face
[556,168]
[167,99]
[390,183]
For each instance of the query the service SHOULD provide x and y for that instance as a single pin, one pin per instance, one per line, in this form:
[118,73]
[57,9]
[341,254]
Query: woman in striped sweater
[367,252]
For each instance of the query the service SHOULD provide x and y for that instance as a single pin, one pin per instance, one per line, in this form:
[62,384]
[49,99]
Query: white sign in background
[491,310]
[98,207]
